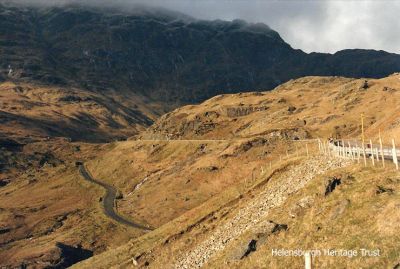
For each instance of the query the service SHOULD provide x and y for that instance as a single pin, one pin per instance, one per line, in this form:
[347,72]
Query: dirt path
[109,201]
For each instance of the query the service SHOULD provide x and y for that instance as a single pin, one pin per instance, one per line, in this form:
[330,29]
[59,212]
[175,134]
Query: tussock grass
[368,220]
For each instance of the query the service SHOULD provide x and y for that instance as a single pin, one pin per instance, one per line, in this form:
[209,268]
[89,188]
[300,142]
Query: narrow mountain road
[109,201]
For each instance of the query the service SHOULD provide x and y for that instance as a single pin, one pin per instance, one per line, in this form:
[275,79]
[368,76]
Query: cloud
[353,24]
[310,25]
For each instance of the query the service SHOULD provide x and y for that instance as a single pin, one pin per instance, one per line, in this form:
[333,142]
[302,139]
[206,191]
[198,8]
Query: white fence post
[337,151]
[355,154]
[377,154]
[348,150]
[351,151]
[372,153]
[343,149]
[307,260]
[396,162]
[382,153]
[364,155]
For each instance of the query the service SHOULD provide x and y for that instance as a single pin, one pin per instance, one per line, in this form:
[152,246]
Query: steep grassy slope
[218,168]
[359,213]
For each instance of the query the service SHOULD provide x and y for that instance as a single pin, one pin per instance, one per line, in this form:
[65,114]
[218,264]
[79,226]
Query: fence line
[349,149]
[377,155]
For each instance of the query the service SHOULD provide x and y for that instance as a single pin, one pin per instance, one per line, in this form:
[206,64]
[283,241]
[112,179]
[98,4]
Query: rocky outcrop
[239,111]
[176,128]
[288,134]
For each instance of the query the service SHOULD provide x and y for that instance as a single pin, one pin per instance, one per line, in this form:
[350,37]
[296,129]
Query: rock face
[234,112]
[166,56]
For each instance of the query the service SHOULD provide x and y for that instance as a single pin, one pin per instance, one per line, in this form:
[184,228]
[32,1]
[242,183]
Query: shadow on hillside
[71,255]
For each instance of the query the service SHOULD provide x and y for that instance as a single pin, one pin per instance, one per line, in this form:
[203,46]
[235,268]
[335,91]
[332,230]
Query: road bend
[109,201]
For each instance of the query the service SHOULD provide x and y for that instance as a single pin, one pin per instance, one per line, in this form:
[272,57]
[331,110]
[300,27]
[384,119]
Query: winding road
[109,201]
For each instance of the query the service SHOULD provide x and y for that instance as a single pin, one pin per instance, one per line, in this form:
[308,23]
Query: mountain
[222,181]
[199,167]
[230,180]
[132,66]
[167,57]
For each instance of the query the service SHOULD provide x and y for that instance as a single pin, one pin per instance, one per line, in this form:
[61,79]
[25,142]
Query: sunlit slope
[195,169]
[310,106]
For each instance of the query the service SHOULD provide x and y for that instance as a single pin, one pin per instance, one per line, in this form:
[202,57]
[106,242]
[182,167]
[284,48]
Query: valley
[146,138]
[191,172]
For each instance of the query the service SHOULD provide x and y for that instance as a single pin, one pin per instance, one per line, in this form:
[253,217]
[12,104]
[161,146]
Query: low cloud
[323,26]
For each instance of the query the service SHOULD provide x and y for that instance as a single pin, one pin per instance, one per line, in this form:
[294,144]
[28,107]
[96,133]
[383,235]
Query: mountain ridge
[162,56]
[76,78]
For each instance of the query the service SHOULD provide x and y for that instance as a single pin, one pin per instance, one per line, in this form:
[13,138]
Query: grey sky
[322,26]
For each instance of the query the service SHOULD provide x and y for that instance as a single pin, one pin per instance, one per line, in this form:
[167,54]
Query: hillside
[194,144]
[286,211]
[49,216]
[167,57]
[194,186]
[204,132]
[192,172]
[33,112]
[303,108]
